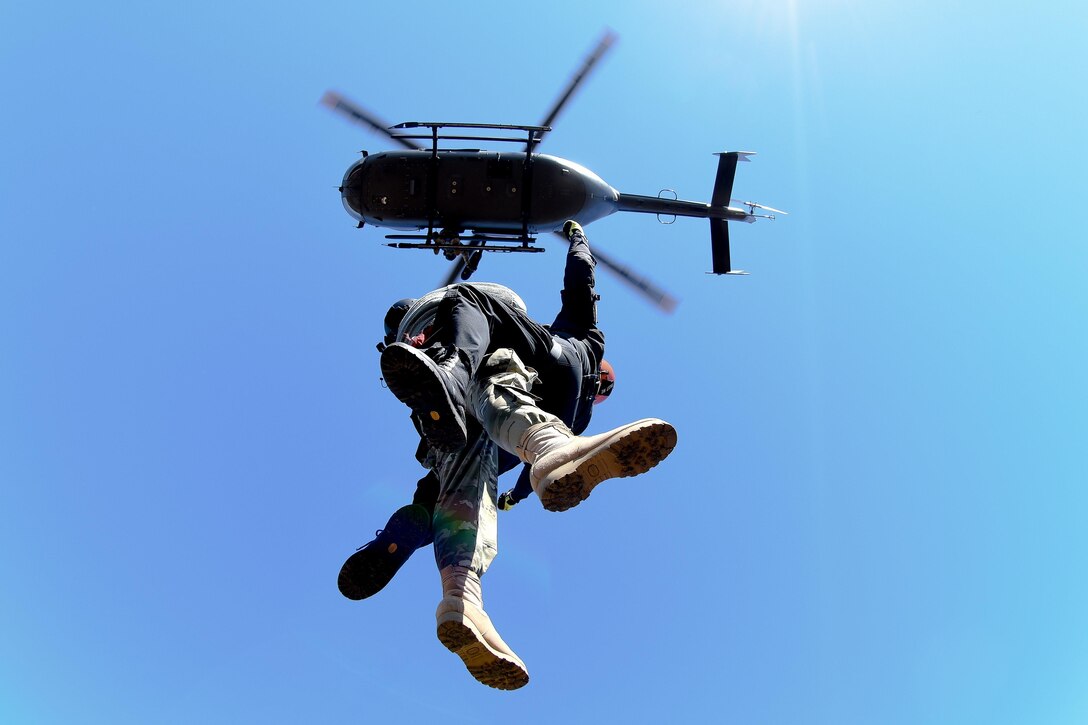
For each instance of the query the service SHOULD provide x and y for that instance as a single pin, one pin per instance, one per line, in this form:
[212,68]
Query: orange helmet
[606,382]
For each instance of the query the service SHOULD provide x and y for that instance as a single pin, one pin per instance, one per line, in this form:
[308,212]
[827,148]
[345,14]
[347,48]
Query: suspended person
[472,354]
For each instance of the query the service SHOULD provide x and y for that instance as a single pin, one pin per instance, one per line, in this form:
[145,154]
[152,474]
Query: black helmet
[394,316]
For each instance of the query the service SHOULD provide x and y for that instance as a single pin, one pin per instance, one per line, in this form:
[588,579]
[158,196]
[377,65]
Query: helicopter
[462,202]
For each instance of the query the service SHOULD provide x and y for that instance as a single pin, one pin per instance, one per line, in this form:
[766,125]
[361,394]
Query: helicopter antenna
[591,60]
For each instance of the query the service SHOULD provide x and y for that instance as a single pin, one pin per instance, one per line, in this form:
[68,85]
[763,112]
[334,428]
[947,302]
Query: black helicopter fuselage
[468,201]
[498,192]
[483,191]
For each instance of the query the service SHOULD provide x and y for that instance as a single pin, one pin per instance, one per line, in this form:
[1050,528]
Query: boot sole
[635,451]
[483,663]
[413,381]
[367,571]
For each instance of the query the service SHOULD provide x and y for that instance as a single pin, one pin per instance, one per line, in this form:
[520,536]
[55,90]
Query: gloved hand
[571,227]
[506,501]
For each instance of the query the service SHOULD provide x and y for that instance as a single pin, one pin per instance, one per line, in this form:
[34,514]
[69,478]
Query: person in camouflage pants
[461,371]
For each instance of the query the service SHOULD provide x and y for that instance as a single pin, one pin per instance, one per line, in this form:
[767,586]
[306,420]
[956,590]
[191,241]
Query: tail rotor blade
[357,114]
[760,206]
[591,60]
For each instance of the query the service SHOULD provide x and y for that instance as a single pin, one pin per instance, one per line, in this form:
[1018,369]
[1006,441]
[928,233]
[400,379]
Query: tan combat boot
[466,630]
[566,467]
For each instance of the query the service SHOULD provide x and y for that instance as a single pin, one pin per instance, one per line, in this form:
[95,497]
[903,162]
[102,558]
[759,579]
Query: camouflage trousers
[465,525]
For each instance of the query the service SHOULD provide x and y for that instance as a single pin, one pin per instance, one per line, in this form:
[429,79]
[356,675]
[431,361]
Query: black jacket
[568,383]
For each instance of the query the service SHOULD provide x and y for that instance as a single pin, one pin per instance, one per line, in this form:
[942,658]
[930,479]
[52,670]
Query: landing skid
[474,243]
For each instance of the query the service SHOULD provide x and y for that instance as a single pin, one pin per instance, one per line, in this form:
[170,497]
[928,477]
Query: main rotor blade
[654,294]
[591,60]
[454,275]
[354,112]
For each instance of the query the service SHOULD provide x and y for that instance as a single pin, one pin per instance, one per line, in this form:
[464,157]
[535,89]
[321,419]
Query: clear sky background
[876,509]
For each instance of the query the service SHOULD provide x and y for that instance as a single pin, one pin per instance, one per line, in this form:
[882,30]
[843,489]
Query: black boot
[368,570]
[432,383]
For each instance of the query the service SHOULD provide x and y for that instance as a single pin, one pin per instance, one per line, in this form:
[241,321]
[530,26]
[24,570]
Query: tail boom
[677,207]
[717,211]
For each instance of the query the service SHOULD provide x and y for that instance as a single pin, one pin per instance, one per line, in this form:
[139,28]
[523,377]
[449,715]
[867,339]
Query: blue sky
[875,510]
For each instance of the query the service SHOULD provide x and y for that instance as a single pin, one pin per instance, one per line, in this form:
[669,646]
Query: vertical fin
[719,246]
[719,229]
[723,183]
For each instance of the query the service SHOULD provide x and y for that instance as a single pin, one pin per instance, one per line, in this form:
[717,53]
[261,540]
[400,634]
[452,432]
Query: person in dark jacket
[464,359]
